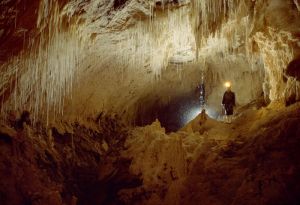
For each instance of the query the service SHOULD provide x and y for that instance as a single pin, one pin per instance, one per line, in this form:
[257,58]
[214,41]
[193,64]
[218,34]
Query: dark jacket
[229,102]
[229,98]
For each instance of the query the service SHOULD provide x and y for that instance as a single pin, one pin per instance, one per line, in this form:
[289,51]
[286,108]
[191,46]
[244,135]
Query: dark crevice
[119,4]
[293,69]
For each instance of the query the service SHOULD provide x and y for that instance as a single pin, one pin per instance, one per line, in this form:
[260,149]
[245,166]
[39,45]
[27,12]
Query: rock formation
[82,83]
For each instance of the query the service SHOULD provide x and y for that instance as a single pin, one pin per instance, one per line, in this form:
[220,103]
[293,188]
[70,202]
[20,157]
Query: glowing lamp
[227,84]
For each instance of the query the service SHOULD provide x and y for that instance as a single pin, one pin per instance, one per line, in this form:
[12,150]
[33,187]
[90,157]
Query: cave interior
[120,102]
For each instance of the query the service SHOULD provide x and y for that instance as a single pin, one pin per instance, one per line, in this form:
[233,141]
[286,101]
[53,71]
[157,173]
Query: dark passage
[172,116]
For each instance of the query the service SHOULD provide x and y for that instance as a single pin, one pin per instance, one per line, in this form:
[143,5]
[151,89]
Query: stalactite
[47,69]
[297,4]
[136,37]
[149,44]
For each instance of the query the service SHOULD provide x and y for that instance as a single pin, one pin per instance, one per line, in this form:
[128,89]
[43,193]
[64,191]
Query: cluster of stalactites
[43,74]
[221,27]
[209,14]
[226,27]
[42,78]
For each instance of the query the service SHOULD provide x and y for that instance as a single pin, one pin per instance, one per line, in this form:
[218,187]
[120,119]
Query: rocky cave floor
[254,160]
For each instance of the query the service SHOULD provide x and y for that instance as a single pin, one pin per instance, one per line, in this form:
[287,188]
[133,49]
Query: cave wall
[271,34]
[246,82]
[236,35]
[93,57]
[276,33]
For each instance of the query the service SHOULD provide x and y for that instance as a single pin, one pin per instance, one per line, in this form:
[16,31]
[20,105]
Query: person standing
[228,102]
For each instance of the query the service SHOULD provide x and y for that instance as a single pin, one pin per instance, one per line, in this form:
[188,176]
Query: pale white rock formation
[112,55]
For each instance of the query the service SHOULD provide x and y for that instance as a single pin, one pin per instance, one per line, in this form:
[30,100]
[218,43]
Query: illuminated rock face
[277,38]
[85,57]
